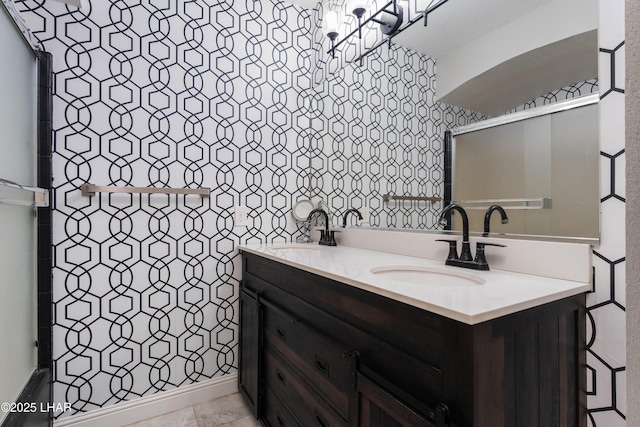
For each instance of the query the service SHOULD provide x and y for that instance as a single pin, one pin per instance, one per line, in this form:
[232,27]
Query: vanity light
[331,23]
[359,9]
[390,19]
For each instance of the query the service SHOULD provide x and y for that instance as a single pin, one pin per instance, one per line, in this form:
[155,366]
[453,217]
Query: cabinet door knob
[280,377]
[280,420]
[320,421]
[281,334]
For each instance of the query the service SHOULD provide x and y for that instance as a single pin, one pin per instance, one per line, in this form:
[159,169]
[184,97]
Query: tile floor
[227,411]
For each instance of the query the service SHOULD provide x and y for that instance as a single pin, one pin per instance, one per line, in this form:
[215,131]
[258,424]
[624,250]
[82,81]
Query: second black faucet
[466,260]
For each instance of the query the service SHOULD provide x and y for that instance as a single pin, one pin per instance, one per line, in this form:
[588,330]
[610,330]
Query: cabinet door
[249,349]
[317,359]
[379,408]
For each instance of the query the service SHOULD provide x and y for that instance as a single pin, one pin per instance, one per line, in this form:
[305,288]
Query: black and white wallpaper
[166,94]
[573,91]
[377,129]
[222,95]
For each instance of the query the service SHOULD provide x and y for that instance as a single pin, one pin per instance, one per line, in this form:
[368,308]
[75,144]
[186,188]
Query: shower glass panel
[18,86]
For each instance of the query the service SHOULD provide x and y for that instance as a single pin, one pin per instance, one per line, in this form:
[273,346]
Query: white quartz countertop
[501,293]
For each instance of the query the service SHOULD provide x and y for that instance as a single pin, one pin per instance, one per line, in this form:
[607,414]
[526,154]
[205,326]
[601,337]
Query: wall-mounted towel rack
[92,189]
[40,195]
[388,197]
[522,204]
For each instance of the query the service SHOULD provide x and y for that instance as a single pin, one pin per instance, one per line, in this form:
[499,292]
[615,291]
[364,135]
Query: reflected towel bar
[387,197]
[40,195]
[522,204]
[91,190]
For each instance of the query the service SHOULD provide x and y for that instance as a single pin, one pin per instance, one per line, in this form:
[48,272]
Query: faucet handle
[480,258]
[331,238]
[500,245]
[453,248]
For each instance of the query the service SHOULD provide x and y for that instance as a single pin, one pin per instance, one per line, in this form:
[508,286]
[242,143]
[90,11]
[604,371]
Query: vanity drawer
[308,408]
[329,369]
[274,413]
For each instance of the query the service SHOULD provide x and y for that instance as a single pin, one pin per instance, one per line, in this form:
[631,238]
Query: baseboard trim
[157,404]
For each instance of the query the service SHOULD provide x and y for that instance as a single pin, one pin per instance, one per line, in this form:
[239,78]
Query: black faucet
[465,255]
[346,214]
[327,237]
[465,259]
[487,218]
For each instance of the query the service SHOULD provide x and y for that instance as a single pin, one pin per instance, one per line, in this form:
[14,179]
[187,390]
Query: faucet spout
[346,214]
[463,214]
[327,237]
[466,248]
[487,218]
[324,215]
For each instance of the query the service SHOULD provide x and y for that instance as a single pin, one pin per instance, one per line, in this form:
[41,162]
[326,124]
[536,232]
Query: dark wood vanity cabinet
[316,352]
[250,348]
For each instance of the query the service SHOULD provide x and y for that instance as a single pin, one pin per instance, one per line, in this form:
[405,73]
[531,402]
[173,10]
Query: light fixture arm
[420,17]
[360,25]
[332,36]
[359,13]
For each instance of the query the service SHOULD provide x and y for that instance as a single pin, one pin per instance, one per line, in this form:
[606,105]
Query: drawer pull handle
[321,366]
[280,377]
[281,334]
[280,420]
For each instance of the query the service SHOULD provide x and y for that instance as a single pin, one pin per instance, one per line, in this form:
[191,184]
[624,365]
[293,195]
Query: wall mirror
[377,127]
[540,165]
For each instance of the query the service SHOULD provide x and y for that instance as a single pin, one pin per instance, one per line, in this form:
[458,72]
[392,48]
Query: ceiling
[459,21]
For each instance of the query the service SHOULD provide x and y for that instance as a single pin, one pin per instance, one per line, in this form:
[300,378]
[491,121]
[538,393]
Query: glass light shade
[331,22]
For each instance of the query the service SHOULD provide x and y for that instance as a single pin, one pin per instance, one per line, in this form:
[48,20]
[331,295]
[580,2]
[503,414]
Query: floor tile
[182,418]
[249,421]
[223,411]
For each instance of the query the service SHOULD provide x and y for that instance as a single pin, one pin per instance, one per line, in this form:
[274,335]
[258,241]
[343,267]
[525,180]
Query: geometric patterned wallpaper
[377,129]
[165,94]
[573,91]
[189,94]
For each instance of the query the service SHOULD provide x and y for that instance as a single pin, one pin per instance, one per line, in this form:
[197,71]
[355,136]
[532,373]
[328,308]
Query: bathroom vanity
[324,341]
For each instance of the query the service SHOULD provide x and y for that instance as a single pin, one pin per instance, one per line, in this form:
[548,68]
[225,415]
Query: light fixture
[331,23]
[359,9]
[390,19]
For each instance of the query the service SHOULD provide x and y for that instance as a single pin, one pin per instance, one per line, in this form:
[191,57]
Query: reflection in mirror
[378,128]
[548,153]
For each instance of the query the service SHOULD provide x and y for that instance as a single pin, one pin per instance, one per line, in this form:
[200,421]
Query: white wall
[633,209]
[549,23]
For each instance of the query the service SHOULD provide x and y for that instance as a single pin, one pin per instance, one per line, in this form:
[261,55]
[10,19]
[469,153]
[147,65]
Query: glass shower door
[18,84]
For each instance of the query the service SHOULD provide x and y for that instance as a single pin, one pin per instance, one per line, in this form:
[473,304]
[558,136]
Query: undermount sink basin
[427,275]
